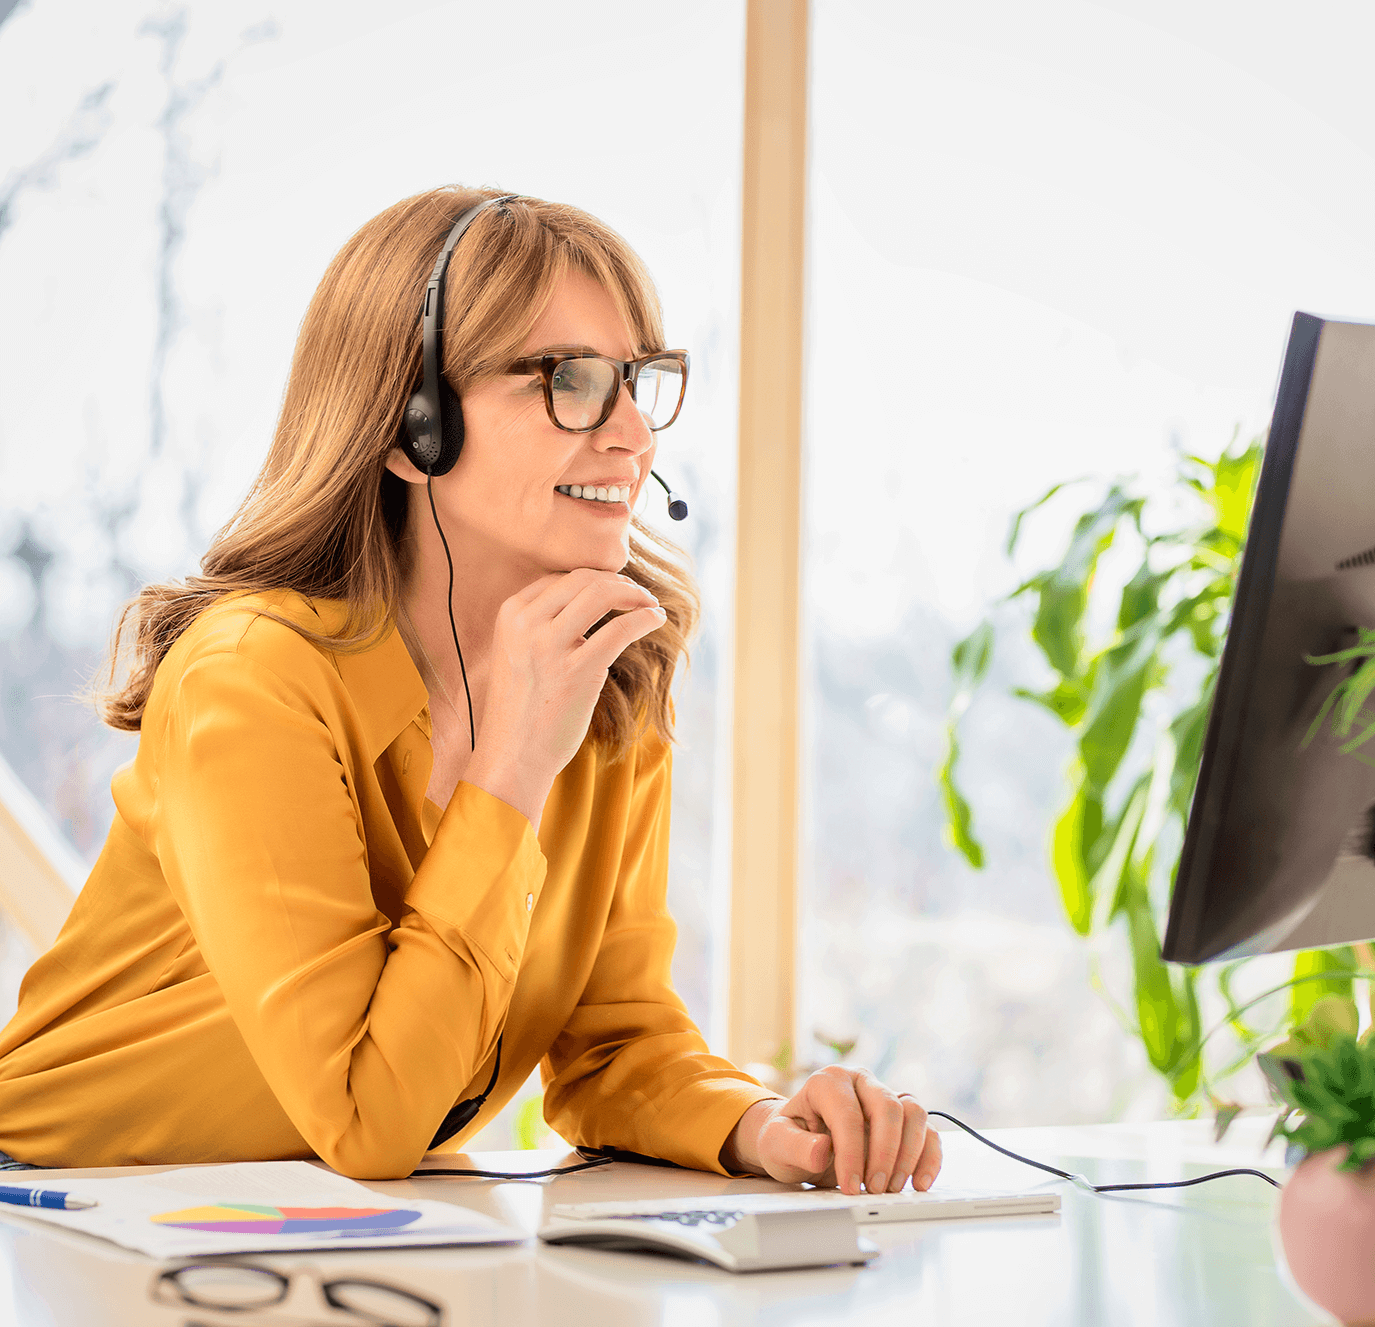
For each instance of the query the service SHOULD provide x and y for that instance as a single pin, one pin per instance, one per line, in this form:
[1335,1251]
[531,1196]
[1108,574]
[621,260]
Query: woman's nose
[625,427]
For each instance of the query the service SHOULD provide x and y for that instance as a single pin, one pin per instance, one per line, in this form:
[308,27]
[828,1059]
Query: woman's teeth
[595,494]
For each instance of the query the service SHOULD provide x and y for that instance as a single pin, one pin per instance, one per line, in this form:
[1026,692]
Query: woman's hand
[842,1128]
[546,675]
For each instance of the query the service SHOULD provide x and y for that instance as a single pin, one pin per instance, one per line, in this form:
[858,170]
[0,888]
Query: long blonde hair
[326,518]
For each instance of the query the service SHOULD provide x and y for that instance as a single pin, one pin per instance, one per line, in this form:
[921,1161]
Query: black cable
[1079,1180]
[516,1174]
[448,557]
[1082,1183]
[1184,1184]
[988,1142]
[475,1103]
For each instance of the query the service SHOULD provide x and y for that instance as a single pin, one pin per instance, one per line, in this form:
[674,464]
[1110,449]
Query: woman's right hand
[546,675]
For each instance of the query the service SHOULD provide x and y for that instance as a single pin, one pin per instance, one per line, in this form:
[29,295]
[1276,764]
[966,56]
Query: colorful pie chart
[250,1219]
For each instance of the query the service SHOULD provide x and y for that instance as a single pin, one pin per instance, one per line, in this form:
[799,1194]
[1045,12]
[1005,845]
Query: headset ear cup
[451,443]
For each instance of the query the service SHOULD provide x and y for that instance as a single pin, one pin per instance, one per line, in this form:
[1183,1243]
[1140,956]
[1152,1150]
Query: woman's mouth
[589,493]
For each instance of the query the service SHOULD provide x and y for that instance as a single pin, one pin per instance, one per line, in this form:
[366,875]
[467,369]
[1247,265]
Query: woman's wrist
[503,779]
[740,1152]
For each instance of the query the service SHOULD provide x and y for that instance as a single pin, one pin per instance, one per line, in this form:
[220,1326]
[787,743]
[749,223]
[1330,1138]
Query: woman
[356,876]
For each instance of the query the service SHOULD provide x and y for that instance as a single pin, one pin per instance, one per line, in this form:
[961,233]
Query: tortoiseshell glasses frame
[628,371]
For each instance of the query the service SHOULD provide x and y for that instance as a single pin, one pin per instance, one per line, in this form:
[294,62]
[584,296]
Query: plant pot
[1327,1229]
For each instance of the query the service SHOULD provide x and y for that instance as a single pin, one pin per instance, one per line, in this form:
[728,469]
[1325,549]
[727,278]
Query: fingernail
[662,612]
[899,1184]
[855,1182]
[924,1182]
[878,1183]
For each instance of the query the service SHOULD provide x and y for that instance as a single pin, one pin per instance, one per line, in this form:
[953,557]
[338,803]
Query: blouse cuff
[481,878]
[694,1127]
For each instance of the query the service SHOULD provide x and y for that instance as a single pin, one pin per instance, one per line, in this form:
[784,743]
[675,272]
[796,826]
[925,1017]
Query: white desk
[1189,1256]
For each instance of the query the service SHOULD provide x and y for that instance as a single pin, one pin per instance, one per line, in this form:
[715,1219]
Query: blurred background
[1043,242]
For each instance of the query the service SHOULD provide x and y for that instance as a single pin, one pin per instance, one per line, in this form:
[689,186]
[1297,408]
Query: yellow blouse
[285,950]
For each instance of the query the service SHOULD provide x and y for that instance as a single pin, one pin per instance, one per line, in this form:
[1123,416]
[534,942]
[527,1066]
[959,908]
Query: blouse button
[529,903]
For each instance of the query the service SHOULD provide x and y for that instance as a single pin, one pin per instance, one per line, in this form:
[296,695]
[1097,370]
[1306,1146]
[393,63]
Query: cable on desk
[1082,1183]
[591,1164]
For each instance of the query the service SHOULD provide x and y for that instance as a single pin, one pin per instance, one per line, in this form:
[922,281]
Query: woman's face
[502,500]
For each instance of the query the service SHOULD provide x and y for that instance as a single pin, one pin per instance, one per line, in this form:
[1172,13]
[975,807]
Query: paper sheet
[257,1207]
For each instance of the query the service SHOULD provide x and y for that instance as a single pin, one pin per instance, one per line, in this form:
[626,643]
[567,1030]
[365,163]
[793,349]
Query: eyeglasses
[580,389]
[241,1287]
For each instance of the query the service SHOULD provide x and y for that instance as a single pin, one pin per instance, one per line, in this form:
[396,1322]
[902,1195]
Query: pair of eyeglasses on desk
[247,1288]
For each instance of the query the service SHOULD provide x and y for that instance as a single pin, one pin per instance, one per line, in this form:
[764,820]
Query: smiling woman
[339,916]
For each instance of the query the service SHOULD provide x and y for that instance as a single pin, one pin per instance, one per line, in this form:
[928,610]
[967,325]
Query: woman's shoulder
[648,756]
[285,632]
[260,624]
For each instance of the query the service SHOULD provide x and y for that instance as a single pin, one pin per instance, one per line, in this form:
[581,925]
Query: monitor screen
[1279,852]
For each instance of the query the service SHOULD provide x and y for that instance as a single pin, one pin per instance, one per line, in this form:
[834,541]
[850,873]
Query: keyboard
[814,1236]
[937,1204]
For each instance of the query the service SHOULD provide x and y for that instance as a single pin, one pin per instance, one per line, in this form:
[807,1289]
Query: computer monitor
[1279,852]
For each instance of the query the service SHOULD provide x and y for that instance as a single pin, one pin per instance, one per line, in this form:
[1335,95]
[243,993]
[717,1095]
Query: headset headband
[424,412]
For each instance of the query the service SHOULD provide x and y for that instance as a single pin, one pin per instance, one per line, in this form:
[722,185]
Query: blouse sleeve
[630,1069]
[366,1034]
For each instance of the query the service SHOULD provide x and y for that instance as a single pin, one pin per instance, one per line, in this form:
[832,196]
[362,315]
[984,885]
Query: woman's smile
[600,499]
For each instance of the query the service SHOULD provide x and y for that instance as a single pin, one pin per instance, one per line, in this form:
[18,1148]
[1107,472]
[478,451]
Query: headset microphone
[677,508]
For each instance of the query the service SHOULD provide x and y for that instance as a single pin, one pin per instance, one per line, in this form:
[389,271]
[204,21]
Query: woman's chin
[609,553]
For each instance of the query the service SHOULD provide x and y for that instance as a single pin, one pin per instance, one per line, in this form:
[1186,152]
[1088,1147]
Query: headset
[432,436]
[432,439]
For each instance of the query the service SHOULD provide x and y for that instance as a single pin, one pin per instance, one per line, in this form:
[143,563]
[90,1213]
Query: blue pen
[64,1202]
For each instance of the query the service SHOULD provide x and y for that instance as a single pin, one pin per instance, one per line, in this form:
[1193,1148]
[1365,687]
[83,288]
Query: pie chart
[251,1219]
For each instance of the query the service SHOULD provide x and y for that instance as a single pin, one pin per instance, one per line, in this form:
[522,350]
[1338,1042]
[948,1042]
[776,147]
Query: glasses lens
[382,1304]
[228,1286]
[580,389]
[658,389]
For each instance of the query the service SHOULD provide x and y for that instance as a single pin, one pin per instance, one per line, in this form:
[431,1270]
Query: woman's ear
[403,467]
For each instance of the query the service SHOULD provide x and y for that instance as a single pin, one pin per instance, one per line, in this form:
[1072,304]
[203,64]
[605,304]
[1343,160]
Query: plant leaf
[1227,1111]
[1320,1006]
[970,658]
[1015,530]
[1064,590]
[1072,842]
[1115,705]
[1067,701]
[528,1127]
[958,829]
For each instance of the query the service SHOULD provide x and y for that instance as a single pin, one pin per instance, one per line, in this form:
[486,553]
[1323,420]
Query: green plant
[528,1129]
[1324,1075]
[1346,701]
[1137,702]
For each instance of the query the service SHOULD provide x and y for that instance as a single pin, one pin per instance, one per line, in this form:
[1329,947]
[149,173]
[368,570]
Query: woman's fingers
[879,1140]
[831,1094]
[592,602]
[607,644]
[884,1115]
[791,1152]
[929,1163]
[550,595]
[910,1152]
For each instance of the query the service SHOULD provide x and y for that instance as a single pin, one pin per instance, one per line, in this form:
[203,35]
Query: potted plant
[1324,1077]
[1136,691]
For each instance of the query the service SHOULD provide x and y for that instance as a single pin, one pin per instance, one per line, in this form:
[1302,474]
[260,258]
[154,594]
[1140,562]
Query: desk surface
[1200,1255]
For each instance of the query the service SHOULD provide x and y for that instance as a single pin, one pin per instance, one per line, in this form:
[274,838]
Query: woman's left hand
[840,1129]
